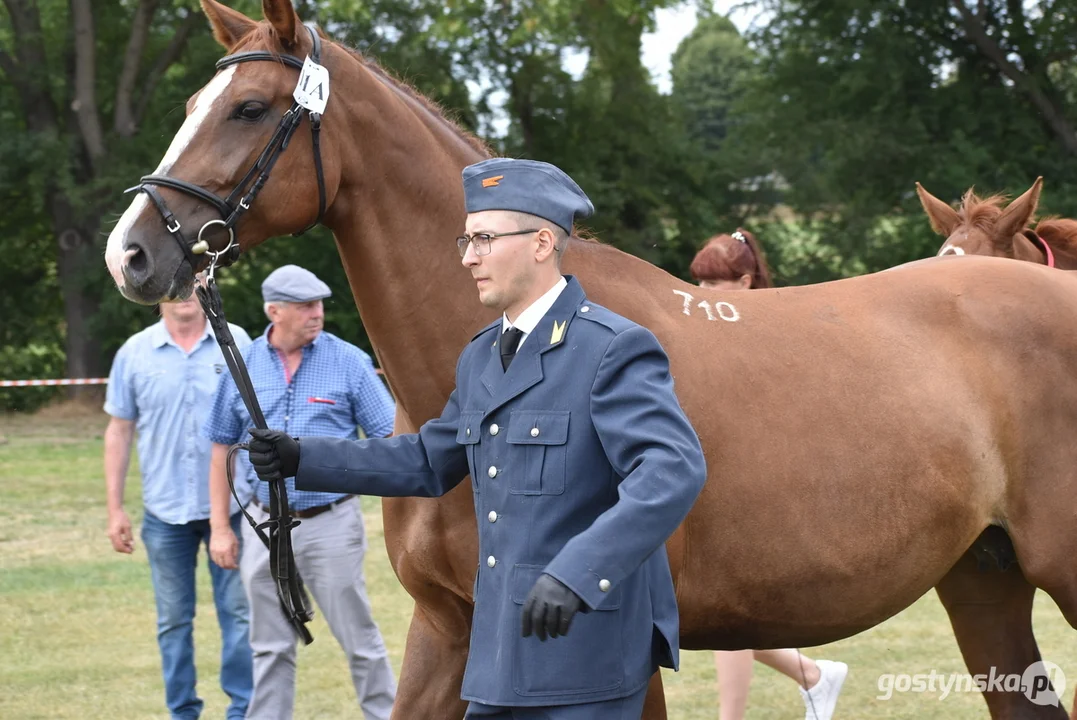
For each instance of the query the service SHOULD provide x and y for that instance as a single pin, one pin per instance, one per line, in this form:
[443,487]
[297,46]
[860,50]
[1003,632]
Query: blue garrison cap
[291,283]
[527,186]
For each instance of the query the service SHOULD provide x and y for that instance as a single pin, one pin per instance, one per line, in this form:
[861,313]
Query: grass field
[77,620]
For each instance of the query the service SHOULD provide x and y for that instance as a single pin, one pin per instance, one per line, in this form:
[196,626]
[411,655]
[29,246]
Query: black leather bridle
[240,199]
[294,601]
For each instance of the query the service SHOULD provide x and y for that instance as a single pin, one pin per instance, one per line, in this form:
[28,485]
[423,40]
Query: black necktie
[510,340]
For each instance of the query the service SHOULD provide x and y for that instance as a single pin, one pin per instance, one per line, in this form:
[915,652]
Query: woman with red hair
[737,262]
[731,262]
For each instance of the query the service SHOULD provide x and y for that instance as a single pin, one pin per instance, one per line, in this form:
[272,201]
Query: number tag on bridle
[312,91]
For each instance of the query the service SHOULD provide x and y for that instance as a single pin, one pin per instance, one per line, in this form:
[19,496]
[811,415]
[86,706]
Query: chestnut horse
[984,227]
[863,437]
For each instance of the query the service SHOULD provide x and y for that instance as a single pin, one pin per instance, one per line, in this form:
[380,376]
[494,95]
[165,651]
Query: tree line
[810,129]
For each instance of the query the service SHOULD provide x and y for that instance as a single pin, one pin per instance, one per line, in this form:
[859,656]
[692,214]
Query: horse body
[861,435]
[854,436]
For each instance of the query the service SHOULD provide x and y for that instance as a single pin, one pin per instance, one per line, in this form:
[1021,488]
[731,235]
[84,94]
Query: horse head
[983,226]
[248,148]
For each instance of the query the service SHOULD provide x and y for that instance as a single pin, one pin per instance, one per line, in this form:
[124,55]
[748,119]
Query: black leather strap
[252,55]
[294,601]
[171,223]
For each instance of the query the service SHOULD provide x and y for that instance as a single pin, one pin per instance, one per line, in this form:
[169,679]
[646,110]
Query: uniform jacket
[582,463]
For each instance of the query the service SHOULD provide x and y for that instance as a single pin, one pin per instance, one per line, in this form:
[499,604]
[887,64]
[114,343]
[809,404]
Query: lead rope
[294,601]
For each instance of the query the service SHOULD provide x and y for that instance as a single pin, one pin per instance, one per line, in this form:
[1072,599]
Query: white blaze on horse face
[949,249]
[114,251]
[191,125]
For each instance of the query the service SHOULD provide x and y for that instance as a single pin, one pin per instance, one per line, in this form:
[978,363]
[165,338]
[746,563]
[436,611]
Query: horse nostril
[137,265]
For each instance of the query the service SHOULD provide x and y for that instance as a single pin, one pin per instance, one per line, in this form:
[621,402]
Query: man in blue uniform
[582,464]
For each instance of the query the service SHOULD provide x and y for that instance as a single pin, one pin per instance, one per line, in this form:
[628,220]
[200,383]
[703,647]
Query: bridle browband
[240,199]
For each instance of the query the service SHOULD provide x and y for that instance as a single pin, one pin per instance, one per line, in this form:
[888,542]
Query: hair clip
[738,235]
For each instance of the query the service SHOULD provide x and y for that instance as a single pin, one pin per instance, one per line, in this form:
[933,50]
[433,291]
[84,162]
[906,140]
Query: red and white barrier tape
[69,381]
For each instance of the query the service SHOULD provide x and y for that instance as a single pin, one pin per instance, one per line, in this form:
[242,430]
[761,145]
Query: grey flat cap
[291,283]
[528,186]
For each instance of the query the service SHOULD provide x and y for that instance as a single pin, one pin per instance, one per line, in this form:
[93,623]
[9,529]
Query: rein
[294,601]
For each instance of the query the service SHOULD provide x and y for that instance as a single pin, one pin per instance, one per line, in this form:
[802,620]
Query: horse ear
[228,25]
[944,219]
[281,15]
[1017,214]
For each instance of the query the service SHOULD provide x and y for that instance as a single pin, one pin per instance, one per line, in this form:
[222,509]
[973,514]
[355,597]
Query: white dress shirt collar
[530,317]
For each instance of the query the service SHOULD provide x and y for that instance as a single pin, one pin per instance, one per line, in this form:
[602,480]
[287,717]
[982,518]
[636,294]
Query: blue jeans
[173,554]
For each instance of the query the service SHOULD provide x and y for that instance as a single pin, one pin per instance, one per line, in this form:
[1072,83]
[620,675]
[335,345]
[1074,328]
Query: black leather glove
[273,453]
[549,608]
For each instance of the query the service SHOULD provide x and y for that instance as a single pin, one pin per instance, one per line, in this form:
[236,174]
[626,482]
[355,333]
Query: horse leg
[435,654]
[991,614]
[654,708]
[1047,560]
[434,661]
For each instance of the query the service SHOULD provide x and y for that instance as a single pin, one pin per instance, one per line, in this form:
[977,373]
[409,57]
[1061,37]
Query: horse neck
[398,208]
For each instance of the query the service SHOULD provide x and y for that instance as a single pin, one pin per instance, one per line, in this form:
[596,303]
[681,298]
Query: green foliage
[811,130]
[37,360]
[726,180]
[710,69]
[856,100]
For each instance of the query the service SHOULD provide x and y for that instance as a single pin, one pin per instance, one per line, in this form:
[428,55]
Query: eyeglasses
[481,241]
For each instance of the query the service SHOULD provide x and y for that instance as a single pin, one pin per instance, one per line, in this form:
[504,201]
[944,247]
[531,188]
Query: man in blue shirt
[161,384]
[308,381]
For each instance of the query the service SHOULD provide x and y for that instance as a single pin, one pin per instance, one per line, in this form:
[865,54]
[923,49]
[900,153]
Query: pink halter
[1046,250]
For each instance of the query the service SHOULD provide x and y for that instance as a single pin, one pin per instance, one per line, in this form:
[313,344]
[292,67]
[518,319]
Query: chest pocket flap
[538,427]
[539,438]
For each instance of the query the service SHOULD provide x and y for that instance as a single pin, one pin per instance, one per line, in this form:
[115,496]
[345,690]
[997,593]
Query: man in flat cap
[308,382]
[581,458]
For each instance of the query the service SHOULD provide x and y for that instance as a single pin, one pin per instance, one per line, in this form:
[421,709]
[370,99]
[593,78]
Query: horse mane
[265,34]
[981,212]
[474,142]
[439,112]
[1059,233]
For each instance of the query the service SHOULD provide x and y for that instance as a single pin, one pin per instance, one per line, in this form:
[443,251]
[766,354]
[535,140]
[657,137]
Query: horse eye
[250,111]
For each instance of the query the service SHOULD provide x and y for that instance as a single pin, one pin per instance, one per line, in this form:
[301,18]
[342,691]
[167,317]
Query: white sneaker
[819,702]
